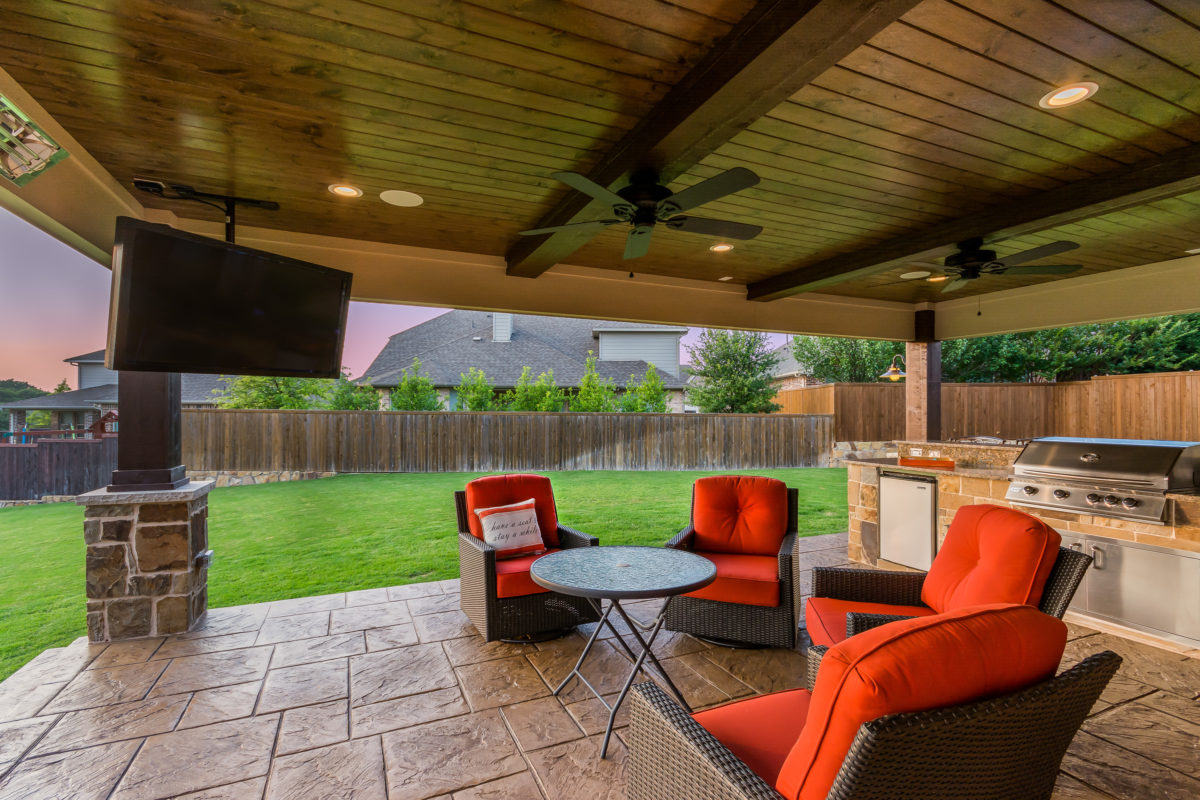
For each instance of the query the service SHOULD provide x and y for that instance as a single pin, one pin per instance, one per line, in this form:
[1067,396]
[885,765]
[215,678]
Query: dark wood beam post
[775,50]
[149,446]
[1168,175]
[923,382]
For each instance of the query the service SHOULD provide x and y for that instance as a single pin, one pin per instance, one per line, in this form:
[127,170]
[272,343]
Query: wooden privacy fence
[1155,406]
[454,441]
[55,467]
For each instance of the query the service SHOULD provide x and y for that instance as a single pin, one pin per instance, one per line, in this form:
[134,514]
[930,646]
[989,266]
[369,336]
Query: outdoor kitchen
[1132,505]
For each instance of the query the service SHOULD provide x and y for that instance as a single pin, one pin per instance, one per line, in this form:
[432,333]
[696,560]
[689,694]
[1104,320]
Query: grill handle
[1098,558]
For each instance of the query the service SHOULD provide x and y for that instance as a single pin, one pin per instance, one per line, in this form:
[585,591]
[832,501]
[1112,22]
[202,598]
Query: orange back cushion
[739,514]
[964,656]
[991,555]
[503,490]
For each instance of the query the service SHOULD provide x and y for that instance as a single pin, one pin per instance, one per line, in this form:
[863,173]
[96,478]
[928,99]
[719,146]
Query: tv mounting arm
[229,203]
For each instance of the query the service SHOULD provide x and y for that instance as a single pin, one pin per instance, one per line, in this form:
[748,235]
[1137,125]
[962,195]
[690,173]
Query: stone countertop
[893,465]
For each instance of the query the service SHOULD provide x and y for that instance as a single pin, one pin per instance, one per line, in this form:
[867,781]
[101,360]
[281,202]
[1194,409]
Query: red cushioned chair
[990,555]
[960,705]
[498,596]
[747,527]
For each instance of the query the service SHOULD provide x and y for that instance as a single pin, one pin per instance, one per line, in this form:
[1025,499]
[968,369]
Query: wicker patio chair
[1003,747]
[876,590]
[700,614]
[527,612]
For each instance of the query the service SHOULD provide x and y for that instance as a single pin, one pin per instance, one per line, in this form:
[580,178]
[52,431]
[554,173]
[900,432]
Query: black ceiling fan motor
[970,253]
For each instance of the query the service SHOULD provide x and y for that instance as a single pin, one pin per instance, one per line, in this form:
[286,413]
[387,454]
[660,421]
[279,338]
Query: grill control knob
[1111,500]
[1130,502]
[1061,494]
[1093,498]
[1030,490]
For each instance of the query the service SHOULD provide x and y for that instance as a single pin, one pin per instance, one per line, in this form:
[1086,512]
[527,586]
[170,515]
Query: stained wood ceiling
[473,104]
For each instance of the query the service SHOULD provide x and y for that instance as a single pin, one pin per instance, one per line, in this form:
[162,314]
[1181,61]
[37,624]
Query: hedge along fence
[217,440]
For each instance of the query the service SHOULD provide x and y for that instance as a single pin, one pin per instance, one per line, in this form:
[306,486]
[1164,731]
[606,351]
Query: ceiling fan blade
[1052,249]
[637,243]
[728,182]
[574,226]
[714,227]
[955,285]
[1044,269]
[586,185]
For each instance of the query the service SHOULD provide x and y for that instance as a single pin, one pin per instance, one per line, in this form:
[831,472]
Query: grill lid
[1145,463]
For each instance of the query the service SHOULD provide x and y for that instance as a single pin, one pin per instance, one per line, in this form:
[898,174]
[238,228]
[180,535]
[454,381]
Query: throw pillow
[512,529]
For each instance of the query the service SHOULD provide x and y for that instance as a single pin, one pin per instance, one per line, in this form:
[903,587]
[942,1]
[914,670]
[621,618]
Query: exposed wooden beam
[778,48]
[1171,174]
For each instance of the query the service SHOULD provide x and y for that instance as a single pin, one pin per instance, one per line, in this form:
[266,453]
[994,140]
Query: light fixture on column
[895,372]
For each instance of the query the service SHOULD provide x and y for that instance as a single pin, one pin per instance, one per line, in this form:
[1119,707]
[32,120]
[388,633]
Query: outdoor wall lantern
[895,372]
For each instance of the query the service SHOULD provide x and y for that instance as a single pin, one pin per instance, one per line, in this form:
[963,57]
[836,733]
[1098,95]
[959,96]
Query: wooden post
[149,449]
[923,382]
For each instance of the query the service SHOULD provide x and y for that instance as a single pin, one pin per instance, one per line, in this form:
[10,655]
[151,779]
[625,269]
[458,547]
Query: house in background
[789,373]
[503,344]
[97,395]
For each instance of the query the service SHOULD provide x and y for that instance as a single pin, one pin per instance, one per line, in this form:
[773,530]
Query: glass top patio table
[616,573]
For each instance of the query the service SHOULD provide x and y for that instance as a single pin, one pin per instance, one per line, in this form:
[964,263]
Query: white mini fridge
[907,519]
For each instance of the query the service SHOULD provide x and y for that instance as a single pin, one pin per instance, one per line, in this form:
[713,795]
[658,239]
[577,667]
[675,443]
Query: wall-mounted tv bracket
[225,202]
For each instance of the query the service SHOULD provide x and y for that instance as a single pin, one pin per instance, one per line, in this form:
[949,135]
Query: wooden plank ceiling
[473,104]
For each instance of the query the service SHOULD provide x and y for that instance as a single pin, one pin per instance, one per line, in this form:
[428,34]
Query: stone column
[923,382]
[147,561]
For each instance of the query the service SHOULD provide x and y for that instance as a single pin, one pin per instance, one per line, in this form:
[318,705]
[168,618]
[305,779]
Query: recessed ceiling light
[937,278]
[1069,95]
[345,190]
[721,247]
[1193,252]
[399,197]
[912,276]
[725,278]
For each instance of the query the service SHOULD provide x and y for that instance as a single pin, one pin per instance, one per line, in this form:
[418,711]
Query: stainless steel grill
[1122,478]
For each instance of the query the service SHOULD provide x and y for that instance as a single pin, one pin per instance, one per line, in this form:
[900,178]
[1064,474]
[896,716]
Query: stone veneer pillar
[147,561]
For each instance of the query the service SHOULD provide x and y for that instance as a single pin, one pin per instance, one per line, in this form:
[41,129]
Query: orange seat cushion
[825,618]
[760,731]
[962,656]
[739,514]
[512,576]
[749,580]
[503,490]
[991,555]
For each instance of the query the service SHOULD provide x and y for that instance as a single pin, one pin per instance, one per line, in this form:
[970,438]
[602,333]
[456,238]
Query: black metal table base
[638,659]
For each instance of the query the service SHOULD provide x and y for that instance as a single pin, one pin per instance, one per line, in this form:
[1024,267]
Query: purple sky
[54,305]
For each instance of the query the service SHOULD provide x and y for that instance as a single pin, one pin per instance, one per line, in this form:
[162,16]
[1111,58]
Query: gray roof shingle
[449,345]
[195,390]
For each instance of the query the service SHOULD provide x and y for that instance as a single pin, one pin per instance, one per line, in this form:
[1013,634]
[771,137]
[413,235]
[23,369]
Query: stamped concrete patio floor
[390,693]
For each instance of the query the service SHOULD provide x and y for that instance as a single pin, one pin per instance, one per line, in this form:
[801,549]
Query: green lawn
[305,538]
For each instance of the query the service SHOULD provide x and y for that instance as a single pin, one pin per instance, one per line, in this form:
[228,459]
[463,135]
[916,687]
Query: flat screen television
[187,303]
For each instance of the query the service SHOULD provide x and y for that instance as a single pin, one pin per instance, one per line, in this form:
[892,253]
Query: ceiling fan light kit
[645,202]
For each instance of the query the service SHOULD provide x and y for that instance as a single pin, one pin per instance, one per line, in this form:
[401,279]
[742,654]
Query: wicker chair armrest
[485,549]
[787,552]
[857,622]
[672,756]
[683,539]
[569,537]
[868,585]
[812,664]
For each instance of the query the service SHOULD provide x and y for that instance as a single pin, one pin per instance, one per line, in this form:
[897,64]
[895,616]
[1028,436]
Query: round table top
[622,571]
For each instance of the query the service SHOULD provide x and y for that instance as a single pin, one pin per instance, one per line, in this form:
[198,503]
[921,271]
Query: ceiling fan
[644,203]
[972,262]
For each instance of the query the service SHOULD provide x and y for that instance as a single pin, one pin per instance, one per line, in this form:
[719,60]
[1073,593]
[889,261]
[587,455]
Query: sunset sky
[54,305]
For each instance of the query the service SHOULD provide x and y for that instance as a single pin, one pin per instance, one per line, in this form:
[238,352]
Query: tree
[257,391]
[12,390]
[834,360]
[475,392]
[415,392]
[63,386]
[530,395]
[734,368]
[346,395]
[595,394]
[650,395]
